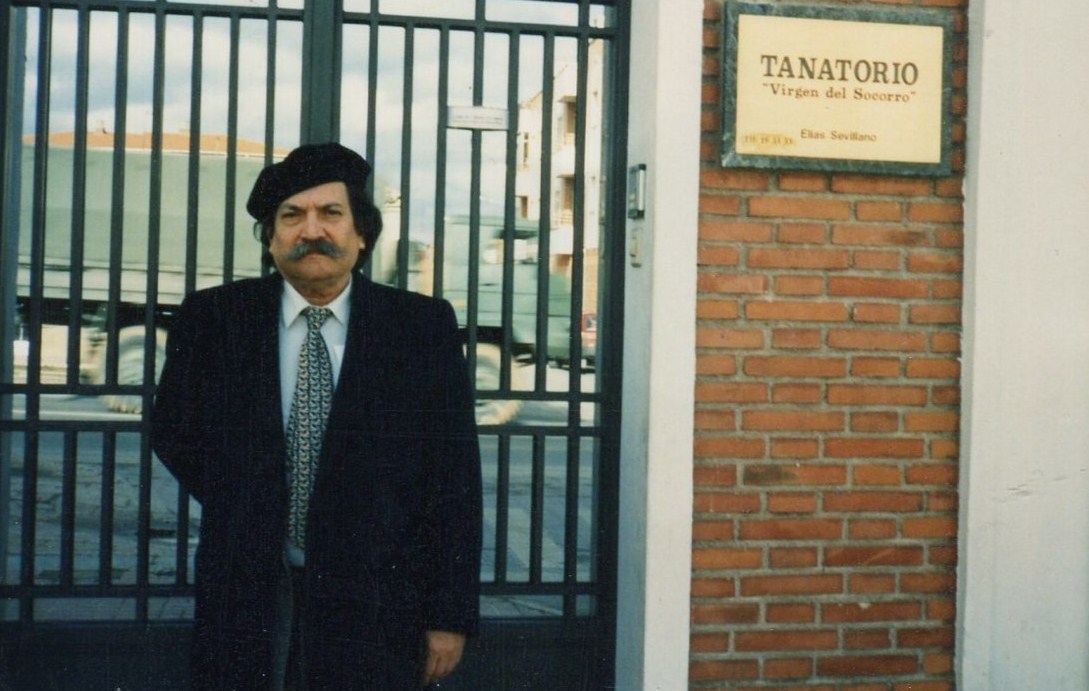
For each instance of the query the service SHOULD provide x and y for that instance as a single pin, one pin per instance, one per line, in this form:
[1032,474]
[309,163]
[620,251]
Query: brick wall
[827,402]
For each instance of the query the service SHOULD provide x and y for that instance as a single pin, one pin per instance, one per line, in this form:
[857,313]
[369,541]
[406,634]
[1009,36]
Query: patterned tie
[306,422]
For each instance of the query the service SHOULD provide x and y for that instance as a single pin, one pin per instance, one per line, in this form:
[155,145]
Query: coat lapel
[267,402]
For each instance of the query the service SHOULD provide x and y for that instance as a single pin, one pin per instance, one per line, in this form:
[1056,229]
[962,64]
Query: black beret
[308,166]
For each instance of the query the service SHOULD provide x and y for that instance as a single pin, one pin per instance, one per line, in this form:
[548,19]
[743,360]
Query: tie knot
[316,316]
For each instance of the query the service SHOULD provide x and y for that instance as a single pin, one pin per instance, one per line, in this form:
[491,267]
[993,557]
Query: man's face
[314,242]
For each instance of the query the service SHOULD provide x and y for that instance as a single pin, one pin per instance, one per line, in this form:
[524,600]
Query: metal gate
[132,131]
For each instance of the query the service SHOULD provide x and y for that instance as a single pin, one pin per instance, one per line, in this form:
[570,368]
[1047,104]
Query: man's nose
[312,227]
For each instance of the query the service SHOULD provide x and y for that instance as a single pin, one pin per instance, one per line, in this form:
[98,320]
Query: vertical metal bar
[609,357]
[105,523]
[473,288]
[196,94]
[578,217]
[544,244]
[12,80]
[502,508]
[270,84]
[439,259]
[232,154]
[117,196]
[79,193]
[571,526]
[154,230]
[507,307]
[322,22]
[403,267]
[68,510]
[37,276]
[372,87]
[536,510]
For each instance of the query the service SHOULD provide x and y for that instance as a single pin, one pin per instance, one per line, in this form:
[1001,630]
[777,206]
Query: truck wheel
[130,367]
[488,362]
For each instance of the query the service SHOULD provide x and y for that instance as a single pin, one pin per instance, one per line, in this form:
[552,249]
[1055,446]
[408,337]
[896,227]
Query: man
[333,451]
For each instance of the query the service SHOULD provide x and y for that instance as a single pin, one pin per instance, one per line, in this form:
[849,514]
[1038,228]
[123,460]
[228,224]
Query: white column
[659,349]
[1023,583]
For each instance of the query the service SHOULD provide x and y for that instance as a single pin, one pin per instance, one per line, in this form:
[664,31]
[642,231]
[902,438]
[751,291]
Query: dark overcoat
[394,524]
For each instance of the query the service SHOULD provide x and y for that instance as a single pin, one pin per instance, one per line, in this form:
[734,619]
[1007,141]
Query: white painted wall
[1023,585]
[659,350]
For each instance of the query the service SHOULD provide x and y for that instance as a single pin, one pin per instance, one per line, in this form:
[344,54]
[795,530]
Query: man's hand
[443,654]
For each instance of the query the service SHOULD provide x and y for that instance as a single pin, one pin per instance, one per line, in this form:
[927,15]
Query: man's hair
[365,215]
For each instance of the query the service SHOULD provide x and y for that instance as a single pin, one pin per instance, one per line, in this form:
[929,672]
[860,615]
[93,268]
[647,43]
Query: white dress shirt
[292,334]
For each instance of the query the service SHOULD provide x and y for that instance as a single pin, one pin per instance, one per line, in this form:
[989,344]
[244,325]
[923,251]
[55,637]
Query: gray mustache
[307,246]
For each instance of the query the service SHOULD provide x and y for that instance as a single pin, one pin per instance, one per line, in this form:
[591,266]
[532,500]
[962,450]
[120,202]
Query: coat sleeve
[454,496]
[176,416]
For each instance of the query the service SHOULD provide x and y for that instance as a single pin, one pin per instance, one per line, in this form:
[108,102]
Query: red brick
[724,614]
[877,260]
[796,393]
[773,258]
[934,314]
[870,235]
[875,422]
[731,284]
[809,584]
[791,529]
[717,309]
[733,179]
[870,612]
[710,642]
[716,364]
[878,287]
[729,447]
[943,582]
[871,530]
[800,207]
[930,527]
[802,233]
[718,255]
[794,475]
[879,211]
[720,204]
[716,420]
[869,394]
[792,181]
[788,668]
[873,501]
[784,640]
[724,503]
[794,448]
[707,670]
[734,231]
[867,639]
[800,367]
[869,313]
[796,311]
[729,338]
[868,665]
[712,531]
[866,556]
[935,263]
[732,392]
[793,558]
[715,476]
[799,285]
[796,338]
[881,185]
[935,212]
[870,339]
[719,558]
[875,367]
[792,503]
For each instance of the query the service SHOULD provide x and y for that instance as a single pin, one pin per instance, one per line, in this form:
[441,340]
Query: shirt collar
[293,303]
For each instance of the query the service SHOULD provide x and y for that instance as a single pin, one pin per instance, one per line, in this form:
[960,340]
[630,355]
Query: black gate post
[12,23]
[321,66]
